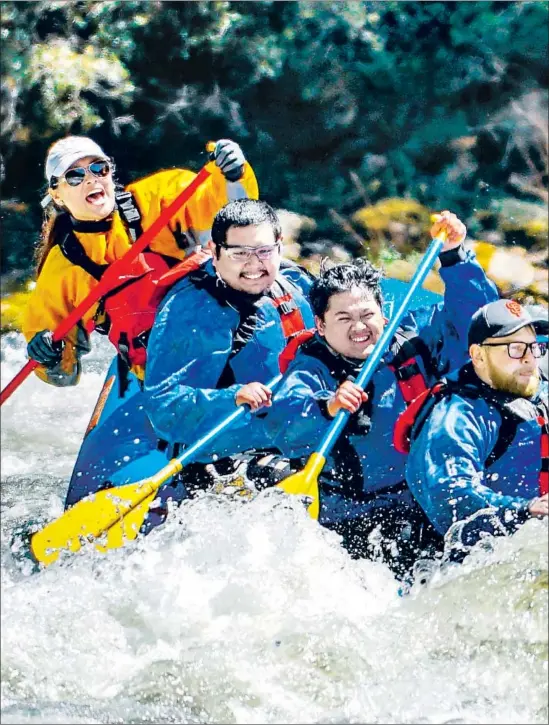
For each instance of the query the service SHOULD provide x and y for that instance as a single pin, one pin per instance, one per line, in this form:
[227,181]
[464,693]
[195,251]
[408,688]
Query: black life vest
[347,469]
[512,411]
[281,294]
[405,348]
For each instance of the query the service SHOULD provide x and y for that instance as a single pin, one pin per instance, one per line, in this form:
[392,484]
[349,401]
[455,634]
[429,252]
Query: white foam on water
[42,426]
[242,611]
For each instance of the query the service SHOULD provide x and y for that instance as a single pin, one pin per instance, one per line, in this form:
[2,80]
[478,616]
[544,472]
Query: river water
[247,612]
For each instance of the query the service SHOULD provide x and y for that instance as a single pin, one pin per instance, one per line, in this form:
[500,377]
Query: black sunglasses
[517,350]
[76,176]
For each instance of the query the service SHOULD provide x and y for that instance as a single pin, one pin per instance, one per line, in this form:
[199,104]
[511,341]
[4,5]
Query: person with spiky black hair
[363,493]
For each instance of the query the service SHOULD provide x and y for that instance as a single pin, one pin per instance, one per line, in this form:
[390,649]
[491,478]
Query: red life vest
[290,351]
[131,307]
[543,421]
[402,432]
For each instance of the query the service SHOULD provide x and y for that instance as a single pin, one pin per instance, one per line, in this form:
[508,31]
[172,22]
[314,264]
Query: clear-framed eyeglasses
[240,253]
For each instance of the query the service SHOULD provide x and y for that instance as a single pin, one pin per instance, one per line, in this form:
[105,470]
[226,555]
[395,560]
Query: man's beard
[508,383]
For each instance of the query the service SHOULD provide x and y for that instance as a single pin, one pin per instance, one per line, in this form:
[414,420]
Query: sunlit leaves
[63,75]
[314,91]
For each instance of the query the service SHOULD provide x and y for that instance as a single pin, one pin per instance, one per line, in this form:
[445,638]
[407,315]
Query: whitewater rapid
[246,611]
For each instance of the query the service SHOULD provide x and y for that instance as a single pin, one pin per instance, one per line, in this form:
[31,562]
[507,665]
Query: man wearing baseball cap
[480,451]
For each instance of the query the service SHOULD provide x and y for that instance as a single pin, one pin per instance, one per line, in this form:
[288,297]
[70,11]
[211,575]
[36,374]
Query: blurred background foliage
[359,118]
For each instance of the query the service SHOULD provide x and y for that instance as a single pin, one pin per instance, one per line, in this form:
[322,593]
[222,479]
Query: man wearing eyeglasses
[218,334]
[481,455]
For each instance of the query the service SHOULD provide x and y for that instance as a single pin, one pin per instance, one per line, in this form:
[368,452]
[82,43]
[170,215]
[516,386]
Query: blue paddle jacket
[365,470]
[446,469]
[193,375]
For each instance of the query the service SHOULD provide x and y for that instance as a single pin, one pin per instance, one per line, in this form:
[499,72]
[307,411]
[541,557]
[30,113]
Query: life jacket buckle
[286,306]
[407,371]
[142,339]
[128,209]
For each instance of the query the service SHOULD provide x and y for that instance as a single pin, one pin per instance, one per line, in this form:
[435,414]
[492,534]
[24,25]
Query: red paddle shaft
[111,277]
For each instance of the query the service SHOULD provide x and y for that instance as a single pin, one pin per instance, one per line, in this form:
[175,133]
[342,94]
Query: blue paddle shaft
[372,361]
[189,454]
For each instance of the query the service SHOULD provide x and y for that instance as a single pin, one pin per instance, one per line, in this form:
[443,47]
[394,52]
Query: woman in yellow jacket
[81,193]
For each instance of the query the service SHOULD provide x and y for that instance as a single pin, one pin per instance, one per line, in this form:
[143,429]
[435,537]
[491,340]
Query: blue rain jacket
[446,469]
[188,350]
[373,471]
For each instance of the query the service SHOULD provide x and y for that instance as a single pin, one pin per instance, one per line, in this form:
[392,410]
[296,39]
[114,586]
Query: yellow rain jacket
[61,285]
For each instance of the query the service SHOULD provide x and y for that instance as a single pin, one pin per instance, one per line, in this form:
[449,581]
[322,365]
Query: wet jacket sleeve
[195,218]
[186,352]
[443,327]
[298,419]
[214,194]
[466,287]
[445,468]
[59,288]
[299,276]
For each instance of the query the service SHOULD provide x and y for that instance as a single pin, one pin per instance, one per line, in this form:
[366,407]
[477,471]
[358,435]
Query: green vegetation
[362,116]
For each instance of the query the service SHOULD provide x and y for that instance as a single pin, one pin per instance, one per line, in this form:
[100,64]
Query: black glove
[229,157]
[44,350]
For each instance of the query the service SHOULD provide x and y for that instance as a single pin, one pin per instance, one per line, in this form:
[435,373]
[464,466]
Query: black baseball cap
[504,317]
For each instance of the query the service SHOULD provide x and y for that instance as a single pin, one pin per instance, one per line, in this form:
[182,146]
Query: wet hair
[243,213]
[342,278]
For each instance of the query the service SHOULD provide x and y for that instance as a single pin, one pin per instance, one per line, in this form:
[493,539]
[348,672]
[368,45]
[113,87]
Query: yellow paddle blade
[305,483]
[126,528]
[114,514]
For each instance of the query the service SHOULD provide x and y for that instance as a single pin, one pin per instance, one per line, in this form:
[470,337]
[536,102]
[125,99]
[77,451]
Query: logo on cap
[514,308]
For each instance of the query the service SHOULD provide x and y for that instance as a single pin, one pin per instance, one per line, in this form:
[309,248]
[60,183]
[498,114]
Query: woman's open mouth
[96,197]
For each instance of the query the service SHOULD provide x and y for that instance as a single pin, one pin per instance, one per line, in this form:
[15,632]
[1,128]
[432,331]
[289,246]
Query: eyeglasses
[74,177]
[517,350]
[243,254]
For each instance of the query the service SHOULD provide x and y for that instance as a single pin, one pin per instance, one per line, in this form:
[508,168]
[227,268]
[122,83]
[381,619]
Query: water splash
[239,611]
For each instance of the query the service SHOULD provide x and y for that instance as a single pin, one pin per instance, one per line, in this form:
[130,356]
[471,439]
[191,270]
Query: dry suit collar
[92,227]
